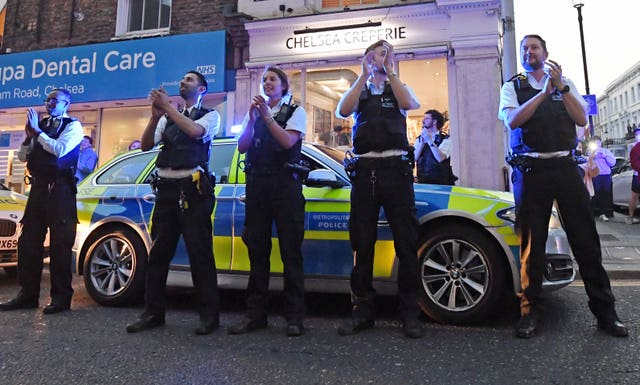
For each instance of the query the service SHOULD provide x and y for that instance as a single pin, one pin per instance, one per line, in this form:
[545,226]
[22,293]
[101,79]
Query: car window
[127,170]
[220,160]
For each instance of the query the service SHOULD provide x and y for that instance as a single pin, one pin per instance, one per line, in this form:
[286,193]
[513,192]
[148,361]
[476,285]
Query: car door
[326,249]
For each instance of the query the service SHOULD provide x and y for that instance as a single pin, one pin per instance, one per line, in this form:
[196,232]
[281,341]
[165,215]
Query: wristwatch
[564,89]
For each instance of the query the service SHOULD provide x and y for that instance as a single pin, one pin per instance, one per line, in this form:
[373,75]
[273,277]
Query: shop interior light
[338,27]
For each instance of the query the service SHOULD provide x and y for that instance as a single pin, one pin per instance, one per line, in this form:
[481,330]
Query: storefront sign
[346,35]
[112,71]
[342,38]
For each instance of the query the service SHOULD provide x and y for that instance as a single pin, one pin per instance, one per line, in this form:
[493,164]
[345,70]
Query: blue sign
[593,104]
[112,71]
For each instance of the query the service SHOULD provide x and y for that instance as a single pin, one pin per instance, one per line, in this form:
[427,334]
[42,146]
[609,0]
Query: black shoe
[354,326]
[208,326]
[19,303]
[294,330]
[526,326]
[247,325]
[615,328]
[412,328]
[53,308]
[145,322]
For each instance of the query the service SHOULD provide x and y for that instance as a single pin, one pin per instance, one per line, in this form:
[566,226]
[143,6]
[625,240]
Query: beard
[532,66]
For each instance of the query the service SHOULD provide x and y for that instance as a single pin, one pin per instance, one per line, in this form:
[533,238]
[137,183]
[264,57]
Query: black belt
[378,162]
[275,170]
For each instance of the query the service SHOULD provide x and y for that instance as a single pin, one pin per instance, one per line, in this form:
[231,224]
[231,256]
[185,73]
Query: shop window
[119,127]
[346,3]
[137,17]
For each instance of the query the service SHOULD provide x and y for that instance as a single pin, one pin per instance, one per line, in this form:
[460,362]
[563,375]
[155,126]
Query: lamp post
[578,5]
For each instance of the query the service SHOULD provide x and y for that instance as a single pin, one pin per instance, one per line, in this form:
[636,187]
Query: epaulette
[521,76]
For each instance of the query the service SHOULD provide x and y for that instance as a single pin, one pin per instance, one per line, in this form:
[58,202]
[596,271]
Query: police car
[468,250]
[11,209]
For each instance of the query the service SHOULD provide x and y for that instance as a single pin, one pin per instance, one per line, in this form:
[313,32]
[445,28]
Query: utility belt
[527,164]
[352,163]
[203,182]
[64,176]
[299,171]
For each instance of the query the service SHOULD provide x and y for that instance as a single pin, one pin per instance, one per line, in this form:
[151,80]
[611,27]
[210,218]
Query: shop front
[109,84]
[448,55]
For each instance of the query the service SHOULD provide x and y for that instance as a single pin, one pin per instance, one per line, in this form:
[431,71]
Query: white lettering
[114,61]
[10,73]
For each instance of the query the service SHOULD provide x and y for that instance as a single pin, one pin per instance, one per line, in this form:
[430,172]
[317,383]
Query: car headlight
[508,214]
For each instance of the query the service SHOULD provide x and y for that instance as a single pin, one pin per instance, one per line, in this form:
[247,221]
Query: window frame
[123,16]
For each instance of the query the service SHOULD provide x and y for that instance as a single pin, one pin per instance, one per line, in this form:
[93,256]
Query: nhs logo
[209,69]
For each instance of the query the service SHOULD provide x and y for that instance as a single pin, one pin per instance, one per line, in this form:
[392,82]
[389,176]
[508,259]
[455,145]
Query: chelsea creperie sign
[112,71]
[355,38]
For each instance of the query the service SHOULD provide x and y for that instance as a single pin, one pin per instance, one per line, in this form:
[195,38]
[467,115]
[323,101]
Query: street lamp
[578,5]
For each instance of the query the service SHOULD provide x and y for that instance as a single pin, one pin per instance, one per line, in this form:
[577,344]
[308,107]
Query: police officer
[383,177]
[542,108]
[432,151]
[272,138]
[184,201]
[51,151]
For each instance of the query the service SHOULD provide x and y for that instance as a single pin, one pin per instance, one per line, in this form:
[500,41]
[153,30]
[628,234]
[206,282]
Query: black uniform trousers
[535,191]
[274,196]
[387,183]
[193,221]
[53,206]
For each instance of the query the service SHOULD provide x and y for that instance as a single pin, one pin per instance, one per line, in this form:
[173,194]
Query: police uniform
[274,193]
[383,177]
[184,204]
[430,170]
[548,172]
[51,204]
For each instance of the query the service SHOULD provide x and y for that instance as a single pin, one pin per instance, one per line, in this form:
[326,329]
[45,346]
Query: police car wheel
[462,274]
[114,267]
[11,271]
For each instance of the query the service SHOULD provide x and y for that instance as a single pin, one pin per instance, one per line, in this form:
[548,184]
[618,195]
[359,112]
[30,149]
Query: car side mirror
[324,178]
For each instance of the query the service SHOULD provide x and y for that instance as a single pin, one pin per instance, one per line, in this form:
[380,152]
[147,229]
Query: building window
[346,3]
[136,17]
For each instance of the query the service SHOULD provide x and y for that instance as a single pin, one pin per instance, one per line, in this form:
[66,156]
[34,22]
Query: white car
[11,209]
[622,187]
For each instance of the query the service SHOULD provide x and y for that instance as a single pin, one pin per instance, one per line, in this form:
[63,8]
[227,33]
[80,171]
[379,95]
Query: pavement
[620,247]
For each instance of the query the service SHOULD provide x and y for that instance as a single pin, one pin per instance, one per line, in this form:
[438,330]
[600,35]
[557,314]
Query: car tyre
[462,274]
[114,268]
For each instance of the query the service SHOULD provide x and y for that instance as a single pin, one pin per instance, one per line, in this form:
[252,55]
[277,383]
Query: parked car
[618,167]
[12,207]
[468,248]
[622,186]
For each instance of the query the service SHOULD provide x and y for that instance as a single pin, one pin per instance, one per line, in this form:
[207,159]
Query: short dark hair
[201,79]
[88,137]
[283,78]
[437,116]
[534,36]
[64,92]
[375,45]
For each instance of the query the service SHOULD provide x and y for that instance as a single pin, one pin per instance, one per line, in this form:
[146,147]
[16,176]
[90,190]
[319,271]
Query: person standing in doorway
[432,151]
[87,160]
